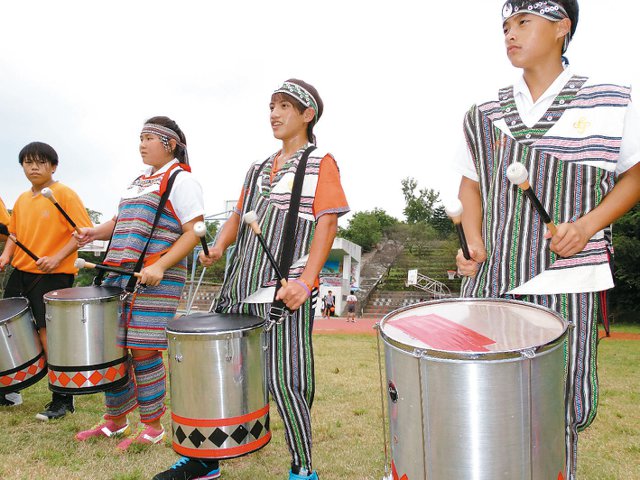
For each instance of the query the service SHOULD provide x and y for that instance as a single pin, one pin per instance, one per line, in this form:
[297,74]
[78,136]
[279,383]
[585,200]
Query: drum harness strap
[279,312]
[133,287]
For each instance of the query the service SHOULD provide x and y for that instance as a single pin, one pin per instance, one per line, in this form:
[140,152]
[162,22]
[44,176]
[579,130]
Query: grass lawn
[347,426]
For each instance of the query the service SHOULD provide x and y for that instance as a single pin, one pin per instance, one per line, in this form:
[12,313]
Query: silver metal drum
[476,390]
[82,328]
[219,393]
[22,361]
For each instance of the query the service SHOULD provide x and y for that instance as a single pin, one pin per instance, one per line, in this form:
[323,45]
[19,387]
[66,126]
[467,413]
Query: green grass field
[347,426]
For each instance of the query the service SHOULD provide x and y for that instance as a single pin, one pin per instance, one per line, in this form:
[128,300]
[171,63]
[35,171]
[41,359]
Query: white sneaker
[11,399]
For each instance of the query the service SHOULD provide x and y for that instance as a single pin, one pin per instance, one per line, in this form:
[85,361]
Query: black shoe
[58,407]
[191,469]
[10,399]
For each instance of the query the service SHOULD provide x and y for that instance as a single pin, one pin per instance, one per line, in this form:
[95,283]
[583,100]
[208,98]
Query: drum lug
[393,392]
[229,356]
[419,353]
[178,357]
[9,334]
[47,317]
[85,313]
[528,353]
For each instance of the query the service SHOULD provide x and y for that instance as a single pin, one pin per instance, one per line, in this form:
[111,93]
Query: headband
[165,135]
[300,94]
[548,9]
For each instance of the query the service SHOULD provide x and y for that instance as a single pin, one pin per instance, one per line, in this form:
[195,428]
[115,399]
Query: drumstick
[47,193]
[5,231]
[82,263]
[251,219]
[518,175]
[200,229]
[454,211]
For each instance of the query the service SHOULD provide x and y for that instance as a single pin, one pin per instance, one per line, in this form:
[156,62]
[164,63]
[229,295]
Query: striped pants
[582,311]
[290,373]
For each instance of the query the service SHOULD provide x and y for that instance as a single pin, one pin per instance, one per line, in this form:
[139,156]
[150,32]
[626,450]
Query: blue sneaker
[190,469]
[301,476]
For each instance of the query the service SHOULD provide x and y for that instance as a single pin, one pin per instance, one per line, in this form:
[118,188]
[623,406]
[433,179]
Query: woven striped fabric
[570,155]
[249,269]
[145,314]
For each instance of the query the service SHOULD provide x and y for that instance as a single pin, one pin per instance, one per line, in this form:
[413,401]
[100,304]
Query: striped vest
[136,213]
[571,155]
[248,268]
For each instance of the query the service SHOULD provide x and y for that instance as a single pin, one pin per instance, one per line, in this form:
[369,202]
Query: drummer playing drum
[267,190]
[37,224]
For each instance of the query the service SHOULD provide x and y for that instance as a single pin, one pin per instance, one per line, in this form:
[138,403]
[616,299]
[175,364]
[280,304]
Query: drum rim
[434,353]
[18,313]
[117,291]
[177,321]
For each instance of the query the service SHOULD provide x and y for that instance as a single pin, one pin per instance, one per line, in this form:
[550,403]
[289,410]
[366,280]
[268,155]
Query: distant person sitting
[352,300]
[328,305]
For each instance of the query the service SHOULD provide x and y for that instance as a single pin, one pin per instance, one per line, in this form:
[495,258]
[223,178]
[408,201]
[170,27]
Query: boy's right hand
[86,235]
[215,254]
[4,261]
[469,268]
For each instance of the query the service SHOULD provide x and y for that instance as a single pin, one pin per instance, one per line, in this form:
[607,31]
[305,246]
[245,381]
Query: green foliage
[94,216]
[419,207]
[441,222]
[367,228]
[626,294]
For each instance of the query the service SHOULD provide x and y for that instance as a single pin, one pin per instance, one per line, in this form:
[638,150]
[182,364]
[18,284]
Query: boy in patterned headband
[249,285]
[568,132]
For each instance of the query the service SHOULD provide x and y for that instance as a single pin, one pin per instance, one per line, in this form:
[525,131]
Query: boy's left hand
[571,238]
[293,295]
[152,275]
[48,264]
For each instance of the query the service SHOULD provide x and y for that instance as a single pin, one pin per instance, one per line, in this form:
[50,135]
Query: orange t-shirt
[4,214]
[329,196]
[39,226]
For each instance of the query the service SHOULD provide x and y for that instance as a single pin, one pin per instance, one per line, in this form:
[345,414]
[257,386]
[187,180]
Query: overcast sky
[396,79]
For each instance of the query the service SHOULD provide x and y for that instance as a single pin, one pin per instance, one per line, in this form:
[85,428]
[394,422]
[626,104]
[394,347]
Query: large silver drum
[22,361]
[219,393]
[476,390]
[82,328]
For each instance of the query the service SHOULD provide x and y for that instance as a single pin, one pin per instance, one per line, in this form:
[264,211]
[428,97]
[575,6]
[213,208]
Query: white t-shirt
[530,112]
[185,196]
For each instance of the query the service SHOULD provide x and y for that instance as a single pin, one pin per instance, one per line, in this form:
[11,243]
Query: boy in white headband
[250,282]
[567,130]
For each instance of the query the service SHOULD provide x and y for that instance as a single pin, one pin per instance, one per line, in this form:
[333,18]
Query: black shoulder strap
[163,201]
[289,238]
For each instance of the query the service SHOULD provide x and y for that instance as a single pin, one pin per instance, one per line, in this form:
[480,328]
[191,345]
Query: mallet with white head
[47,193]
[82,263]
[200,229]
[5,231]
[454,211]
[518,175]
[251,219]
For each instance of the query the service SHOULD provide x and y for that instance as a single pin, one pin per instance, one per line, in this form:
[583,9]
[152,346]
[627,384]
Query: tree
[420,207]
[367,228]
[94,216]
[626,294]
[441,222]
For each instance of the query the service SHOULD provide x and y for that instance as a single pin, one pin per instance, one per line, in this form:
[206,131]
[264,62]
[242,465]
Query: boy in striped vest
[567,130]
[249,285]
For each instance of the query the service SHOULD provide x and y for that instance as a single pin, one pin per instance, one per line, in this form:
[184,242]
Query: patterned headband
[546,9]
[300,94]
[165,135]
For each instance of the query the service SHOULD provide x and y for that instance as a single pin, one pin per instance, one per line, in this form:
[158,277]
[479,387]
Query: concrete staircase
[382,302]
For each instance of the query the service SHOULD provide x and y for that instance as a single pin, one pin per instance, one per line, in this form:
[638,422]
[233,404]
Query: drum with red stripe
[476,390]
[22,360]
[82,329]
[219,393]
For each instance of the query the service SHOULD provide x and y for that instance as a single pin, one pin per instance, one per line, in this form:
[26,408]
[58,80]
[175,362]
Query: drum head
[202,322]
[83,293]
[477,326]
[10,307]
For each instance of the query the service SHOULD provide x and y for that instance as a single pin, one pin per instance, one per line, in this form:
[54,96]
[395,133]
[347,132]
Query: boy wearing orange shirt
[38,225]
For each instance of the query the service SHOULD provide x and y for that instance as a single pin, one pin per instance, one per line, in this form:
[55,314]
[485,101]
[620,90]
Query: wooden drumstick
[5,231]
[82,263]
[251,219]
[200,229]
[454,211]
[518,175]
[47,193]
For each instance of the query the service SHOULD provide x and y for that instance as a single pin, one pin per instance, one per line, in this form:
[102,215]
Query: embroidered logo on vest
[581,125]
